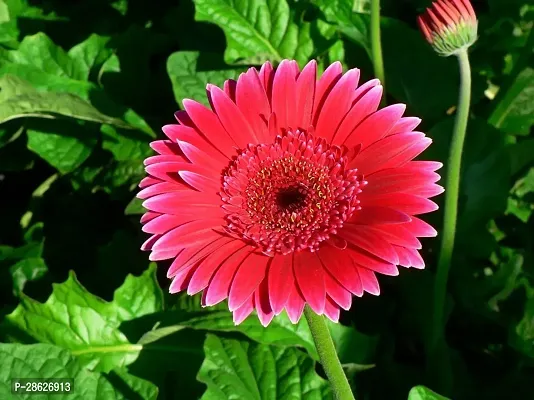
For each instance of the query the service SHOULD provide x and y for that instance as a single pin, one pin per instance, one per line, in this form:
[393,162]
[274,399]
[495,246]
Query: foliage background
[84,87]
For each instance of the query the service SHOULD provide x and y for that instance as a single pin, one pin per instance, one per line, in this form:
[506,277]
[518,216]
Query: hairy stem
[327,354]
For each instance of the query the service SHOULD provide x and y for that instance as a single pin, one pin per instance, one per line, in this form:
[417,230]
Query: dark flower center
[291,198]
[290,195]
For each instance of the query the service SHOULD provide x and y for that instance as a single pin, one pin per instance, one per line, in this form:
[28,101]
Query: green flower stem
[327,354]
[452,189]
[376,46]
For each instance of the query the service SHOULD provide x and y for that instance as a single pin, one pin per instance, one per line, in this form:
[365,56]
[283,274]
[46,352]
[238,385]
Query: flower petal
[309,275]
[280,281]
[247,279]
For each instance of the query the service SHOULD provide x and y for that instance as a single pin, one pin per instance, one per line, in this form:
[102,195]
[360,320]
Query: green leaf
[258,30]
[353,25]
[424,393]
[87,55]
[243,370]
[514,112]
[87,325]
[189,79]
[29,269]
[56,73]
[13,10]
[135,207]
[63,144]
[281,331]
[45,361]
[19,99]
[128,144]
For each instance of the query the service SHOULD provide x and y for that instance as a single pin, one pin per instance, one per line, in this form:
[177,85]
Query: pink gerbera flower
[289,190]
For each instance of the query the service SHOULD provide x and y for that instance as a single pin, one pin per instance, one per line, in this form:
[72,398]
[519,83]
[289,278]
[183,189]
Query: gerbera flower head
[449,26]
[288,190]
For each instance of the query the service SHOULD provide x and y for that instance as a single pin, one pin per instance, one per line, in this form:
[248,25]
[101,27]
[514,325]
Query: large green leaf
[240,369]
[19,99]
[281,331]
[354,25]
[10,12]
[44,361]
[424,393]
[258,30]
[57,84]
[64,144]
[189,78]
[514,110]
[87,325]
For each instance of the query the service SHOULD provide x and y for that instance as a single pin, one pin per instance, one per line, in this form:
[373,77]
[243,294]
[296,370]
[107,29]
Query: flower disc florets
[449,26]
[290,195]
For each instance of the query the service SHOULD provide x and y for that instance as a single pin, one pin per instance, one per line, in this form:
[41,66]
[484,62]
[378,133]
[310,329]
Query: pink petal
[420,228]
[173,203]
[253,103]
[164,159]
[160,188]
[183,134]
[405,125]
[219,285]
[390,152]
[244,311]
[376,126]
[371,215]
[247,279]
[267,77]
[369,281]
[398,235]
[188,234]
[211,263]
[295,305]
[149,216]
[362,109]
[369,241]
[261,302]
[199,182]
[181,280]
[338,263]
[280,281]
[165,147]
[283,97]
[209,124]
[232,119]
[309,275]
[406,203]
[325,84]
[230,87]
[331,310]
[363,89]
[305,95]
[337,293]
[194,254]
[166,222]
[337,105]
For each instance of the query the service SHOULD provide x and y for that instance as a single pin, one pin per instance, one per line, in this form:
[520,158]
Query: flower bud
[449,26]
